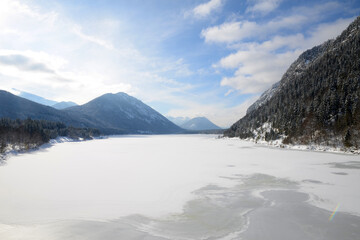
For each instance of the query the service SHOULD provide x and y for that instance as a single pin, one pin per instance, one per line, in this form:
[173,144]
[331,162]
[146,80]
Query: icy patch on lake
[216,212]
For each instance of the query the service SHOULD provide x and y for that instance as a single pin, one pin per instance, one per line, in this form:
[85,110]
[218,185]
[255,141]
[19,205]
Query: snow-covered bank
[312,147]
[270,136]
[15,149]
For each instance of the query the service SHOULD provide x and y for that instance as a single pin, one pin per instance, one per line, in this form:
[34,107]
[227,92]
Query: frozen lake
[178,187]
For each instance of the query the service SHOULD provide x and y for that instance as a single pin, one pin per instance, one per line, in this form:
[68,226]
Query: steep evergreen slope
[317,99]
[198,124]
[121,113]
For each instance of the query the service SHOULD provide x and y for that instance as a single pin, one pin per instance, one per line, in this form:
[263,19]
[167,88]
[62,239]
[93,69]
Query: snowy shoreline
[299,147]
[15,150]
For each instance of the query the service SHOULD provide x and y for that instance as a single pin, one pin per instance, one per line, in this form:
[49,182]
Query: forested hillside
[26,134]
[316,101]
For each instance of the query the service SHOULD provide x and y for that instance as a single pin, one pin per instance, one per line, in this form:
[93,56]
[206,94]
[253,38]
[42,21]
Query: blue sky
[183,58]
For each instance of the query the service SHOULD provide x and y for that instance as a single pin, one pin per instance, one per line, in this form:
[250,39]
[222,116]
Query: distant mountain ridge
[199,124]
[178,120]
[44,101]
[13,107]
[63,105]
[110,113]
[35,98]
[317,100]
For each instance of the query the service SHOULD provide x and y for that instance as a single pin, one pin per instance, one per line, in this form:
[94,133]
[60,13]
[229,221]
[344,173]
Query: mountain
[35,98]
[316,101]
[121,113]
[63,105]
[13,107]
[266,96]
[110,113]
[298,67]
[178,120]
[198,124]
[44,101]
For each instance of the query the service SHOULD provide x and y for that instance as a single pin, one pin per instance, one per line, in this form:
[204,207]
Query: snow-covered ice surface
[178,187]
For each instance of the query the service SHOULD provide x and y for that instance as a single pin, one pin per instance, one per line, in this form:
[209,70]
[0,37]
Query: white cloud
[259,65]
[31,69]
[51,61]
[78,31]
[258,53]
[205,9]
[229,92]
[327,31]
[15,9]
[258,69]
[232,32]
[263,6]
